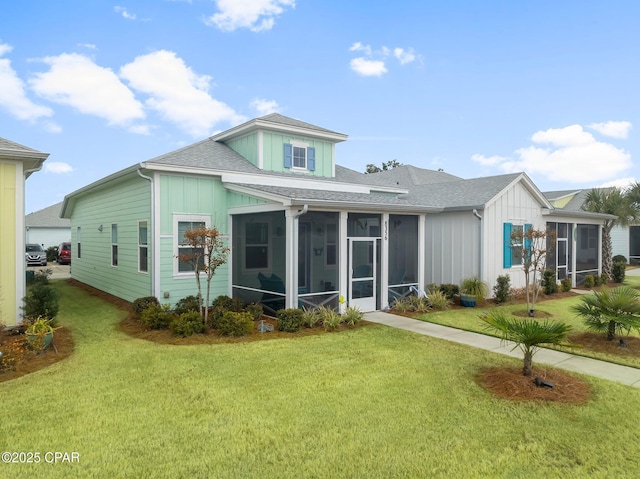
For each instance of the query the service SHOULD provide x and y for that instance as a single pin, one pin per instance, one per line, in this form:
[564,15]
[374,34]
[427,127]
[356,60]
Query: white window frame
[143,245]
[114,244]
[177,243]
[303,146]
[521,227]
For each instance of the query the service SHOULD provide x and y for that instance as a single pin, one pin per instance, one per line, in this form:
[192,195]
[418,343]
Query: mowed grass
[559,309]
[372,402]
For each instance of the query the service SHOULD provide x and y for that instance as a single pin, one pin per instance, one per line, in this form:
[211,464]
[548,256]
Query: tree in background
[207,253]
[389,165]
[614,201]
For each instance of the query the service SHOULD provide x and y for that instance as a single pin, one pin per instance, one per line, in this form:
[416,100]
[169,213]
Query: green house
[303,231]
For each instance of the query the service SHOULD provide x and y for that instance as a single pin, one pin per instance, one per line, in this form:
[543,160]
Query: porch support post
[384,259]
[600,249]
[422,251]
[574,243]
[291,258]
[343,263]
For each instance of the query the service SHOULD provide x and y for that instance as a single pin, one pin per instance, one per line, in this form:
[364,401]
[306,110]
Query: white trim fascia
[258,124]
[263,208]
[529,186]
[281,200]
[156,268]
[21,287]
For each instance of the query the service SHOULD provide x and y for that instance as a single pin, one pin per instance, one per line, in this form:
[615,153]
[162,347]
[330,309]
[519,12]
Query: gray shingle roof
[279,119]
[406,176]
[12,145]
[47,218]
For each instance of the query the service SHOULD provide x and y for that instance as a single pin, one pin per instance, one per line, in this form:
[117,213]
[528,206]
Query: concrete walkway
[602,369]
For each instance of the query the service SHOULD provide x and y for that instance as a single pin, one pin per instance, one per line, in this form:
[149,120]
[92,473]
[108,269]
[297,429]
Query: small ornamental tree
[531,246]
[207,253]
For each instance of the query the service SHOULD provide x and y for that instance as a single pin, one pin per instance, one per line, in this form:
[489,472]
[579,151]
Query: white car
[35,255]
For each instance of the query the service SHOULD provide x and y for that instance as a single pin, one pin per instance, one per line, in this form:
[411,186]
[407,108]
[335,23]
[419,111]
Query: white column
[574,243]
[384,259]
[343,263]
[291,259]
[422,251]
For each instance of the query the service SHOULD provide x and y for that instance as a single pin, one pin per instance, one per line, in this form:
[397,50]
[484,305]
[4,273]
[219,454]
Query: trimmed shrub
[140,304]
[565,285]
[619,257]
[41,301]
[352,316]
[187,324]
[450,290]
[233,323]
[548,283]
[603,280]
[255,310]
[438,300]
[589,281]
[157,316]
[42,276]
[619,271]
[187,304]
[289,320]
[501,289]
[230,304]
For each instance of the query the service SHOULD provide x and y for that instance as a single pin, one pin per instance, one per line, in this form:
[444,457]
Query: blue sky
[477,88]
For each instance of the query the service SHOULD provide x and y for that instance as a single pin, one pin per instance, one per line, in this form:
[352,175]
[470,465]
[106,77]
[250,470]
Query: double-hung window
[185,254]
[114,245]
[515,243]
[299,156]
[143,247]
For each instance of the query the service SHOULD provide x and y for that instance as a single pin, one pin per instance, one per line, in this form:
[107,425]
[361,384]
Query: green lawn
[372,402]
[559,309]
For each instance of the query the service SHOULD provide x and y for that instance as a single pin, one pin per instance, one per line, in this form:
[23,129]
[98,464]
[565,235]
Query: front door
[362,273]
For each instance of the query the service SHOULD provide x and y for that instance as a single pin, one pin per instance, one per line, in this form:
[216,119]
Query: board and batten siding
[8,248]
[516,205]
[124,202]
[273,153]
[452,247]
[183,196]
[247,146]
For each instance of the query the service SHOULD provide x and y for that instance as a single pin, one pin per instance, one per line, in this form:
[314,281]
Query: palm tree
[613,201]
[528,334]
[610,310]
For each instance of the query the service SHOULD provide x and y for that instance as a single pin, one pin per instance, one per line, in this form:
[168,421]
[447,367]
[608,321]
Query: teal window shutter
[527,242]
[506,250]
[288,155]
[311,158]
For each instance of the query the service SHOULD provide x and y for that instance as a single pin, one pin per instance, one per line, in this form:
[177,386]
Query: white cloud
[614,129]
[13,97]
[52,127]
[57,167]
[89,46]
[574,156]
[365,67]
[404,56]
[623,183]
[75,80]
[359,47]
[256,15]
[177,93]
[125,14]
[264,107]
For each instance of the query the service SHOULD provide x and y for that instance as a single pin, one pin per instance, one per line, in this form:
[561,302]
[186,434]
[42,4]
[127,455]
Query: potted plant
[39,333]
[472,291]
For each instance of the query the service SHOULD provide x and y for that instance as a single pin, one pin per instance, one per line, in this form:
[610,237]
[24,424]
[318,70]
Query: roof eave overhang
[259,124]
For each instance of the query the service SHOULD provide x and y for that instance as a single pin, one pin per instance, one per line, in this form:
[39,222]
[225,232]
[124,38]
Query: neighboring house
[303,231]
[47,228]
[625,240]
[17,162]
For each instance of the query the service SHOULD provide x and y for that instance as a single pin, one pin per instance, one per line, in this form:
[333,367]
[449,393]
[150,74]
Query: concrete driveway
[60,271]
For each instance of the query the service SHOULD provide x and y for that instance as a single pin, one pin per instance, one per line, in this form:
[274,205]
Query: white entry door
[362,273]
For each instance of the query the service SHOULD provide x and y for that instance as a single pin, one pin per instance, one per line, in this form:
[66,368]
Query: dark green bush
[502,288]
[290,320]
[566,285]
[41,301]
[157,316]
[548,283]
[215,316]
[617,258]
[589,281]
[42,276]
[140,304]
[187,305]
[235,324]
[187,324]
[228,303]
[450,290]
[618,271]
[255,310]
[52,253]
[603,279]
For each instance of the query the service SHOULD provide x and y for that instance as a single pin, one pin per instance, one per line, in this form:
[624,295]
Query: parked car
[35,255]
[64,253]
